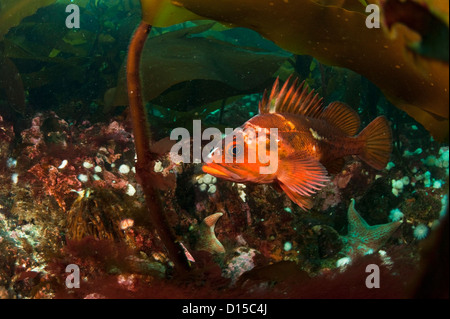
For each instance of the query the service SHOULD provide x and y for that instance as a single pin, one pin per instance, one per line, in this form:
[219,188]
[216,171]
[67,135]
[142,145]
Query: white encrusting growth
[11,162]
[130,190]
[83,178]
[15,178]
[206,182]
[63,164]
[124,169]
[88,165]
[158,167]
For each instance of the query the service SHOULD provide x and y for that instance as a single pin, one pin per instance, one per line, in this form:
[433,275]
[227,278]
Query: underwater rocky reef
[70,195]
[73,191]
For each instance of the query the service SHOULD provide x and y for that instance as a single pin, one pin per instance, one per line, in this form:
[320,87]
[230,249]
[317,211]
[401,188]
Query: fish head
[236,158]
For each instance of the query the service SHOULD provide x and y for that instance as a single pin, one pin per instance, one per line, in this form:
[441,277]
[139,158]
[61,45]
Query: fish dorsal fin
[291,99]
[342,116]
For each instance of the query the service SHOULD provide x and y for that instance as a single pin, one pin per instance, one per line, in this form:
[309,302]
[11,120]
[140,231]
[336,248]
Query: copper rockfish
[312,142]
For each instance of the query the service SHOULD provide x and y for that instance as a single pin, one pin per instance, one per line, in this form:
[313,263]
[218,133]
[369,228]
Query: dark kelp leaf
[13,11]
[175,57]
[41,38]
[56,72]
[11,83]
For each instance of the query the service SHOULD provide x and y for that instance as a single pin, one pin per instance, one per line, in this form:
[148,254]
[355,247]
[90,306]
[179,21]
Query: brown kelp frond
[386,60]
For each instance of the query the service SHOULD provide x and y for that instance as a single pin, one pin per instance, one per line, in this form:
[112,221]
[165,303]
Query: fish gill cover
[76,189]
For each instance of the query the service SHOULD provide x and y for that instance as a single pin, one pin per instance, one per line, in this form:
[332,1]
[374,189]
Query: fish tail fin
[377,137]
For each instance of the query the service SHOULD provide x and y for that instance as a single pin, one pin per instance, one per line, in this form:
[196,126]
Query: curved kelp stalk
[144,155]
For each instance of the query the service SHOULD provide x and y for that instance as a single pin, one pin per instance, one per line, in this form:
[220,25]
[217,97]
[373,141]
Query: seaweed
[416,84]
[11,83]
[144,155]
[13,11]
[83,63]
[219,68]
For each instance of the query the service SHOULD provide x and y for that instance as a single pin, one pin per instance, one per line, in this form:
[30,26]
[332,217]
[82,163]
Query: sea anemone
[420,232]
[395,215]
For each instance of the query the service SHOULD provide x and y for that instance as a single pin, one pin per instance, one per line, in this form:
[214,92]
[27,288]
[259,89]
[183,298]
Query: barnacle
[97,213]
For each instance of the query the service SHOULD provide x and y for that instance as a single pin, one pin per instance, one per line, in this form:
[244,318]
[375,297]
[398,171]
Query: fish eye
[235,150]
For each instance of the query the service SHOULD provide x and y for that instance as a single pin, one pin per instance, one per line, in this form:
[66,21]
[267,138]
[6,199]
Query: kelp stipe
[143,141]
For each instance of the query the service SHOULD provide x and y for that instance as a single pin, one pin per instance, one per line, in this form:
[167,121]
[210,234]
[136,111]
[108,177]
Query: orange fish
[312,141]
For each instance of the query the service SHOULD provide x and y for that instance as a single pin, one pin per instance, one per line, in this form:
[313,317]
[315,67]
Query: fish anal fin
[342,116]
[302,176]
[334,166]
[291,99]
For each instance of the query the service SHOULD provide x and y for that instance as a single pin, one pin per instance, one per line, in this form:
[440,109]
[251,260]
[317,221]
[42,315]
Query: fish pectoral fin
[301,176]
[304,202]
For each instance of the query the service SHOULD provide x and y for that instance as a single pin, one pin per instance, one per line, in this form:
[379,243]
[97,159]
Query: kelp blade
[163,13]
[13,11]
[415,84]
